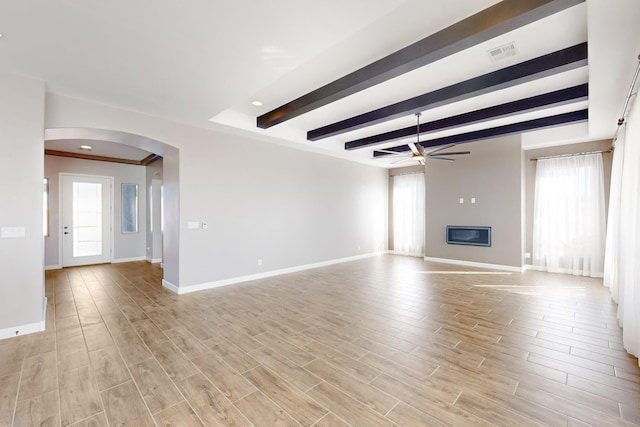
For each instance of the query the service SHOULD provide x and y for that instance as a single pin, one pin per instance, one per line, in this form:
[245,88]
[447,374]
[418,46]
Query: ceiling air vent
[502,52]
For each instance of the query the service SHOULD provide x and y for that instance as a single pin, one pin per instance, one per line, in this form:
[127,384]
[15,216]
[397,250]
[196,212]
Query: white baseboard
[476,264]
[133,259]
[180,290]
[173,288]
[52,267]
[30,328]
[153,260]
[404,254]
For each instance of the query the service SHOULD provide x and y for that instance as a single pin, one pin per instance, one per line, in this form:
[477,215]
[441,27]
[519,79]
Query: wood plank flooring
[388,340]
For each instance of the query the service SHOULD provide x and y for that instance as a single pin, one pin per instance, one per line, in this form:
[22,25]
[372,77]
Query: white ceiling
[196,60]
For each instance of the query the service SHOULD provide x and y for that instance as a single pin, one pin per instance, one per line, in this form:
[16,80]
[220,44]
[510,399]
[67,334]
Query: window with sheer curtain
[408,214]
[569,216]
[622,269]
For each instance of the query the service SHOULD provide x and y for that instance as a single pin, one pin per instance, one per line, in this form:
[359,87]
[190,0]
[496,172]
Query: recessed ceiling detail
[551,99]
[529,125]
[144,162]
[553,63]
[485,25]
[197,80]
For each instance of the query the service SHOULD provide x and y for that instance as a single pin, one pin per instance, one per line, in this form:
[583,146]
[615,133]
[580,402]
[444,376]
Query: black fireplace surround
[468,235]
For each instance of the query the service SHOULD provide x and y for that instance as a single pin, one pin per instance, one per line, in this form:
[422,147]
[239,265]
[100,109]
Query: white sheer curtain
[569,220]
[611,259]
[622,265]
[408,214]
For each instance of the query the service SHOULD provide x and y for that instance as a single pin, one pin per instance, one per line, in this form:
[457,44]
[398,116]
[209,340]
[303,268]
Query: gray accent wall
[21,188]
[125,246]
[492,174]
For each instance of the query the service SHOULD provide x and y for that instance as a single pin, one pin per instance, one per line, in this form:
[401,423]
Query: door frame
[61,206]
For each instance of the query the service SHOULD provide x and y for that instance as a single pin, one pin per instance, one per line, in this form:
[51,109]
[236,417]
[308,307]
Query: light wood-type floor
[381,341]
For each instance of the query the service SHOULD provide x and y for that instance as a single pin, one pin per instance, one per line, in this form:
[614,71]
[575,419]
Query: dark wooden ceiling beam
[553,63]
[150,159]
[480,27]
[529,125]
[552,99]
[84,156]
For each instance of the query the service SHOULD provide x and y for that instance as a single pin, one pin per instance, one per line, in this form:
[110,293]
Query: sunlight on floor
[537,290]
[464,272]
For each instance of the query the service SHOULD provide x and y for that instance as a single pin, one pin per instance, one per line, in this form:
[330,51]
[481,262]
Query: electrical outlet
[204,225]
[259,262]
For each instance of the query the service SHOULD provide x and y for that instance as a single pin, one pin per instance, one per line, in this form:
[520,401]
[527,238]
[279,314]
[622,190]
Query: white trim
[30,328]
[21,330]
[180,290]
[404,254]
[561,271]
[133,259]
[52,267]
[153,260]
[173,288]
[476,264]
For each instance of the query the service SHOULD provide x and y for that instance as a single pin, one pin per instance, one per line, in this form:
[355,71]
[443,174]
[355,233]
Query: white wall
[21,188]
[261,201]
[125,246]
[283,206]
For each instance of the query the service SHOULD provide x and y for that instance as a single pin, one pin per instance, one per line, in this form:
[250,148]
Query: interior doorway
[86,212]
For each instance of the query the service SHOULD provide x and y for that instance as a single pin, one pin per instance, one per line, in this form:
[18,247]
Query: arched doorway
[170,185]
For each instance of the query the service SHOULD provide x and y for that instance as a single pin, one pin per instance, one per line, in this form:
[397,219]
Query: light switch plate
[9,232]
[191,225]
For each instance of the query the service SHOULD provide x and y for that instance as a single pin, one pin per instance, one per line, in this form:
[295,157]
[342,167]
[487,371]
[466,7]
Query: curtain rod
[573,154]
[626,102]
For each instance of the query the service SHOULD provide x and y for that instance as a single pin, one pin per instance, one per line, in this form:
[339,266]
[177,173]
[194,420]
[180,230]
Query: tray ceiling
[203,63]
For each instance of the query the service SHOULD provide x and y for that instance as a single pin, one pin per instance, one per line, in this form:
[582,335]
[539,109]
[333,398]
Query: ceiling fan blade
[414,148]
[451,153]
[441,158]
[444,147]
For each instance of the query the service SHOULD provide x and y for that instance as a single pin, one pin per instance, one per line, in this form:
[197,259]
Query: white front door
[86,219]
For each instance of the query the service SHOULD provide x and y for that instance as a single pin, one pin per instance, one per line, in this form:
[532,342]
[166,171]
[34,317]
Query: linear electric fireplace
[466,235]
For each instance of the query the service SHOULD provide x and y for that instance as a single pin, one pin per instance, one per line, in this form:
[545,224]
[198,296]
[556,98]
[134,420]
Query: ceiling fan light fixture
[417,156]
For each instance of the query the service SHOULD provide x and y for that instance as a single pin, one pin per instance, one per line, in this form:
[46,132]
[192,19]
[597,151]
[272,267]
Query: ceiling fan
[419,154]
